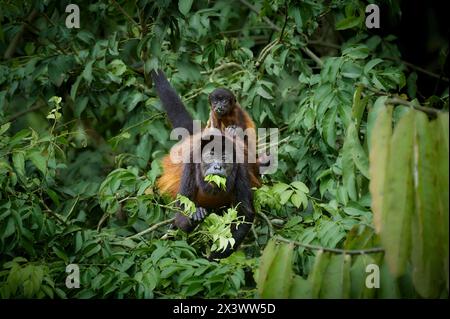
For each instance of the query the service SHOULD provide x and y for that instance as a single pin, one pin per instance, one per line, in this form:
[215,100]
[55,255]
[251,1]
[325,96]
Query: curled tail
[176,111]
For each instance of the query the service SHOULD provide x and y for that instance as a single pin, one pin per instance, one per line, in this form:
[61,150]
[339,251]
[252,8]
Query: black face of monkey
[215,163]
[222,101]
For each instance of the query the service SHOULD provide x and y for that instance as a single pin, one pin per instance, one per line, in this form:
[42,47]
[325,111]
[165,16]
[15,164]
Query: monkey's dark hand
[188,224]
[183,222]
[199,215]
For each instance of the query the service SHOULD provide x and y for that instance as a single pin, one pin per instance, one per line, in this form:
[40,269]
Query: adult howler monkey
[187,178]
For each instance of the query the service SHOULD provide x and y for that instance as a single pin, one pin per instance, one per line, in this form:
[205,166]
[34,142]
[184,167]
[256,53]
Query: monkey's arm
[176,111]
[188,188]
[243,197]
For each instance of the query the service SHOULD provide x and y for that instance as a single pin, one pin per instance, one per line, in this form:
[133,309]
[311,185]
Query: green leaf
[4,128]
[38,160]
[61,254]
[398,203]
[336,279]
[295,12]
[358,277]
[296,200]
[265,261]
[262,92]
[358,153]
[300,289]
[371,64]
[425,253]
[300,186]
[359,105]
[329,127]
[318,271]
[280,187]
[441,127]
[55,73]
[117,67]
[348,170]
[356,52]
[284,197]
[87,73]
[220,181]
[19,163]
[80,105]
[388,284]
[279,277]
[188,205]
[184,6]
[372,116]
[349,23]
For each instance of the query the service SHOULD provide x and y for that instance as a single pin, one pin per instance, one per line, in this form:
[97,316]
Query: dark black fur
[176,111]
[238,181]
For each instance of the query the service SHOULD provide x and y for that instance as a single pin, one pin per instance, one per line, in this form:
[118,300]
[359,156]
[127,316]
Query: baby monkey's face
[221,101]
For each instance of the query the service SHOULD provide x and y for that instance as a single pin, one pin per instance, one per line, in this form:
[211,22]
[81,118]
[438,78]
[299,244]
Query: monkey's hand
[199,215]
[183,222]
[230,130]
[187,224]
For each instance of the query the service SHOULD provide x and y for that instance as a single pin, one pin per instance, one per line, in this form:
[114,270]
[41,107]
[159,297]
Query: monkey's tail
[176,111]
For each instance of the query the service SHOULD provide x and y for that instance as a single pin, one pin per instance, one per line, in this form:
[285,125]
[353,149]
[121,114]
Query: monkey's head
[222,101]
[217,160]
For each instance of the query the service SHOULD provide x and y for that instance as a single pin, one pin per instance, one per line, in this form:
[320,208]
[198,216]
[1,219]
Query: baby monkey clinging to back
[226,113]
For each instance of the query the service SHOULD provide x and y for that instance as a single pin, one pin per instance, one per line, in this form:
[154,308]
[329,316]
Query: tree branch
[269,224]
[392,99]
[332,250]
[397,100]
[222,67]
[419,69]
[124,12]
[152,228]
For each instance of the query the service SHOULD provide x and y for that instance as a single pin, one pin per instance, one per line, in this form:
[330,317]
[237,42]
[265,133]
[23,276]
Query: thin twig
[152,228]
[102,220]
[285,23]
[124,12]
[222,67]
[392,99]
[265,51]
[420,69]
[269,224]
[324,44]
[396,100]
[52,213]
[374,250]
[255,235]
[313,56]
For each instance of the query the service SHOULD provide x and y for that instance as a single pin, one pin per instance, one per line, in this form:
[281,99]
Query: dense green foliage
[82,135]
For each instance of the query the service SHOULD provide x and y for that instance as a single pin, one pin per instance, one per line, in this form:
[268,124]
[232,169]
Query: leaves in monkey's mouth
[218,180]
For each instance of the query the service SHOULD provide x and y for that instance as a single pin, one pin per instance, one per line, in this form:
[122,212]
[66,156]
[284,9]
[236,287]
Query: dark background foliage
[82,133]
